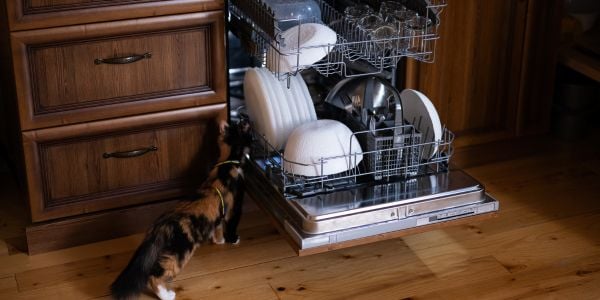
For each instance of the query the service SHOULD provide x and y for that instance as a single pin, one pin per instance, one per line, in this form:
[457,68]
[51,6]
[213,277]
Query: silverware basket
[396,152]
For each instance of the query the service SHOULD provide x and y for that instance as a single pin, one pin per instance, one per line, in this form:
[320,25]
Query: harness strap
[222,201]
[234,162]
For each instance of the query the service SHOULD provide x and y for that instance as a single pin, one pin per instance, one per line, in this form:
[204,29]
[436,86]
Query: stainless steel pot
[371,101]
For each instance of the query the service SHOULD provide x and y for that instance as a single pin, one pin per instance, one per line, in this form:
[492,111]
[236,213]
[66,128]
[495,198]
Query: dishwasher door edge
[285,218]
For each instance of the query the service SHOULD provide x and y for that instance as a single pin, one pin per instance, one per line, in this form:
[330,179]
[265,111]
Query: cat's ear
[223,125]
[245,126]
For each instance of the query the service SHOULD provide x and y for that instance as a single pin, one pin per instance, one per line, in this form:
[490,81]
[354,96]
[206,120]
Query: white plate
[419,111]
[262,115]
[279,100]
[299,100]
[273,102]
[291,103]
[307,98]
[313,41]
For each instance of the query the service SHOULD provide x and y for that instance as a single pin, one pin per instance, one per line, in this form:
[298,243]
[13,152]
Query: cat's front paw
[235,239]
[218,241]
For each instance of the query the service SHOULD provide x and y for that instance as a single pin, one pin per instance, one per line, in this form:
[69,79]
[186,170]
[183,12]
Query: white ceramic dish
[419,111]
[307,98]
[329,140]
[279,102]
[292,103]
[302,45]
[273,102]
[299,100]
[262,115]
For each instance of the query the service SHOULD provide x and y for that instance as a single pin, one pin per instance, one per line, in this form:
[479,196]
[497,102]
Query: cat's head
[235,140]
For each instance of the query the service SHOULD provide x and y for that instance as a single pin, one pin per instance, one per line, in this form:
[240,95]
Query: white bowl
[321,148]
[302,46]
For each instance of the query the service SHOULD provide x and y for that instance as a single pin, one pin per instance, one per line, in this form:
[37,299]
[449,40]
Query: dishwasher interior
[394,174]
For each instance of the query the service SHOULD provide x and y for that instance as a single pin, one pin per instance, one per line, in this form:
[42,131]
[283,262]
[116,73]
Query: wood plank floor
[545,244]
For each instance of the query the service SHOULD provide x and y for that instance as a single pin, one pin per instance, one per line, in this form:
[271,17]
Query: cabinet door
[75,74]
[31,14]
[95,166]
[493,72]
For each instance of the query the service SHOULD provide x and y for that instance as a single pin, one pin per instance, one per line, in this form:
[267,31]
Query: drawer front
[83,73]
[37,6]
[85,168]
[34,14]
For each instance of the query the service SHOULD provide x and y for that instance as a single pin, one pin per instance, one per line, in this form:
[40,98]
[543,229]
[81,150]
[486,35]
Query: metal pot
[371,101]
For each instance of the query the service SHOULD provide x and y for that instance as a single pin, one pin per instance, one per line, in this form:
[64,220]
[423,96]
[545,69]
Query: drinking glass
[389,7]
[416,29]
[402,18]
[370,22]
[356,12]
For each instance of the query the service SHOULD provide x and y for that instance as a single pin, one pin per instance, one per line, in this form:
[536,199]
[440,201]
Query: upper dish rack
[255,23]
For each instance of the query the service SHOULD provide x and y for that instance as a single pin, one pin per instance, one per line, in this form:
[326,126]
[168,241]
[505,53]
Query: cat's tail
[134,278]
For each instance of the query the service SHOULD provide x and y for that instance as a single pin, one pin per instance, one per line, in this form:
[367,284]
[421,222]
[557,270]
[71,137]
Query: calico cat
[213,216]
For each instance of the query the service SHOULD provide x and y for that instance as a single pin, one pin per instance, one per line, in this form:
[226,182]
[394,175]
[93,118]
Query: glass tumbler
[356,12]
[403,17]
[385,37]
[417,28]
[370,22]
[389,7]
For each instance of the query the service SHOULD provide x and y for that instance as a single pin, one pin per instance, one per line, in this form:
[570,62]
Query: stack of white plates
[301,45]
[274,108]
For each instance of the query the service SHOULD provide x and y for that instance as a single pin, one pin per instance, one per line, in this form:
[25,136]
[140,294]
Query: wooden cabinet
[494,68]
[78,169]
[109,106]
[75,74]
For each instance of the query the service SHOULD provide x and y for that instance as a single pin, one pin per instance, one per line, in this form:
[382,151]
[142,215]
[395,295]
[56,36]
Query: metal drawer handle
[122,60]
[129,154]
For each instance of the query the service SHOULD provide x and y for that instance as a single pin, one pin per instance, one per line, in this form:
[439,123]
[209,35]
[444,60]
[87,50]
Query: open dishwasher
[393,178]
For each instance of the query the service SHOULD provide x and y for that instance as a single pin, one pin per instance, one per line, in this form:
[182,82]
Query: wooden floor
[545,244]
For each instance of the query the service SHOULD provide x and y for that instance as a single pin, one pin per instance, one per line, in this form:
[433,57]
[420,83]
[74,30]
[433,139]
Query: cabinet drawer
[107,164]
[83,73]
[32,14]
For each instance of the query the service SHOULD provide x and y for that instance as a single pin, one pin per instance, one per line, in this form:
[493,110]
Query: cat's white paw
[237,241]
[165,294]
[219,241]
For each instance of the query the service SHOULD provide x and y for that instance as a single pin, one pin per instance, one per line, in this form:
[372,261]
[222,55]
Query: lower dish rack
[395,153]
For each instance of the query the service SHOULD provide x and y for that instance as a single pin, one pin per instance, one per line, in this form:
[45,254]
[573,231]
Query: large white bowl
[328,141]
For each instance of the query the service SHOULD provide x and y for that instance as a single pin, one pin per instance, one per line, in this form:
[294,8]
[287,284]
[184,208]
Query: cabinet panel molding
[72,74]
[97,166]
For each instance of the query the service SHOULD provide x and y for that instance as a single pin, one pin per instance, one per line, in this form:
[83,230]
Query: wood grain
[68,175]
[543,245]
[59,83]
[486,83]
[107,225]
[32,14]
